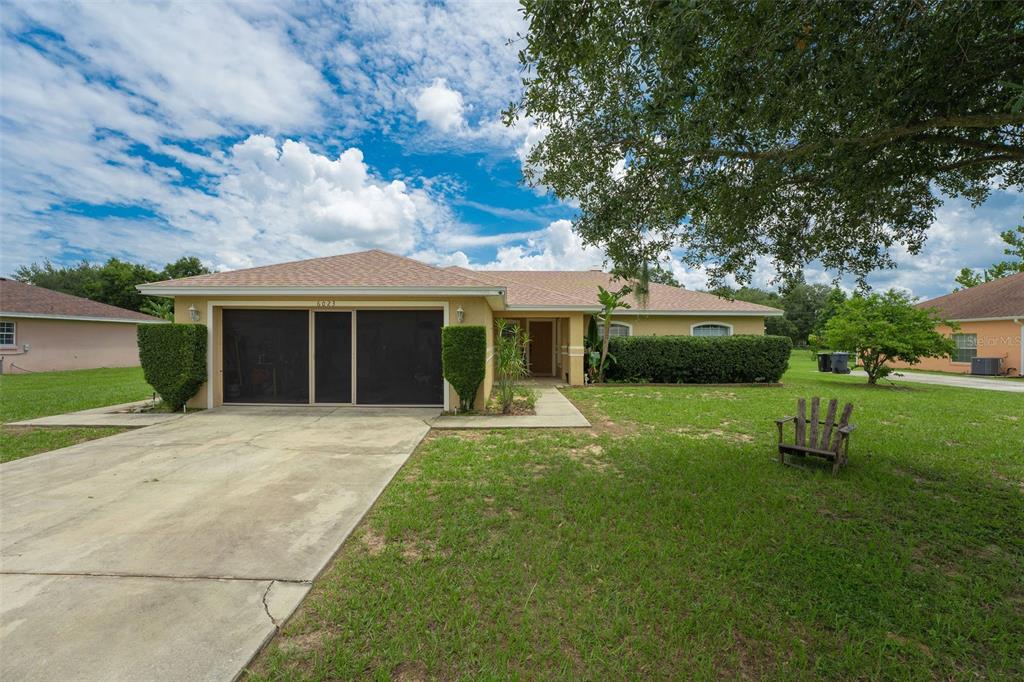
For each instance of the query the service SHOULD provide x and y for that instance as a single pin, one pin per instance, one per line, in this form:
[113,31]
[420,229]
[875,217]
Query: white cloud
[556,247]
[330,205]
[440,106]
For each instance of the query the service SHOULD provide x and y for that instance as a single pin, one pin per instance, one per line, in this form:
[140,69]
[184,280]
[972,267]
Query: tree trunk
[607,323]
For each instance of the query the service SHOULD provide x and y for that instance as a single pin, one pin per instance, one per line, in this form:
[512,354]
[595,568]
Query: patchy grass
[668,543]
[41,394]
[17,442]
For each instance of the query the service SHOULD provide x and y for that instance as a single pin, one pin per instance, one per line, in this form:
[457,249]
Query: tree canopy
[796,131]
[806,307]
[881,328]
[112,282]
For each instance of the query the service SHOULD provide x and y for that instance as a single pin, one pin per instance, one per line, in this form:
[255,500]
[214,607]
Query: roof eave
[81,318]
[635,311]
[172,291]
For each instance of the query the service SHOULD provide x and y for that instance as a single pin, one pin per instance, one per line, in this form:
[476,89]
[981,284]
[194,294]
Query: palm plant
[610,301]
[159,307]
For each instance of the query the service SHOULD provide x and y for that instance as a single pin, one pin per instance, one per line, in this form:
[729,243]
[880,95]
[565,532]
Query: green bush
[173,360]
[464,357]
[699,359]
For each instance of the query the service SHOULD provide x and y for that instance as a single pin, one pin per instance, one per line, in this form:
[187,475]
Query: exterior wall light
[460,314]
[193,313]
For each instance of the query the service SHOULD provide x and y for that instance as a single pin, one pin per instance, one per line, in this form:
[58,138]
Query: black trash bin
[824,362]
[840,363]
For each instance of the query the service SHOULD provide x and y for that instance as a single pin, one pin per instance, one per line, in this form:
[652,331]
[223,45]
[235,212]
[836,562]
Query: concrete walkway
[173,552]
[553,410]
[125,414]
[966,381]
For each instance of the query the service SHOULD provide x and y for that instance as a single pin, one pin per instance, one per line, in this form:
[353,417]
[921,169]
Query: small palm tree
[610,301]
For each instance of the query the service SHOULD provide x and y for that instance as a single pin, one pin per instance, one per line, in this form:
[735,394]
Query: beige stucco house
[43,331]
[990,317]
[364,328]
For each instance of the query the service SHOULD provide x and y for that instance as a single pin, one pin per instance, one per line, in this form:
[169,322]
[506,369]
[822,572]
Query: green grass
[669,543]
[41,394]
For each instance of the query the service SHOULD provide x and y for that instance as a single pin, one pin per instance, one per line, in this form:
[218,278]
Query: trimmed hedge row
[699,359]
[464,357]
[173,358]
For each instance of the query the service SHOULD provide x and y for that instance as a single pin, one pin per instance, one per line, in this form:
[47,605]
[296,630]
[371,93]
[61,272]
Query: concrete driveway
[174,551]
[965,381]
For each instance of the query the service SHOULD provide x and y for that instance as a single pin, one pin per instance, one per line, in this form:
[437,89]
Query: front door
[542,339]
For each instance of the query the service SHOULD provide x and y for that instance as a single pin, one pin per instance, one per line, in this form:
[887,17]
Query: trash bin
[824,362]
[840,363]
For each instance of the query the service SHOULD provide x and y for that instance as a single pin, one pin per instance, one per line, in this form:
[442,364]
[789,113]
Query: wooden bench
[831,441]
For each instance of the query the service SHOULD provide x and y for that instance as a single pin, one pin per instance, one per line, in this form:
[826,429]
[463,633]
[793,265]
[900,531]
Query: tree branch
[881,137]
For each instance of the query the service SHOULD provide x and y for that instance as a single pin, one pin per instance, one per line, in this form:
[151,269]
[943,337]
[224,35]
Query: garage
[333,357]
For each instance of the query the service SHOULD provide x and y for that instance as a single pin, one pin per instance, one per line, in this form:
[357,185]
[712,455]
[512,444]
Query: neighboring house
[365,328]
[43,330]
[991,321]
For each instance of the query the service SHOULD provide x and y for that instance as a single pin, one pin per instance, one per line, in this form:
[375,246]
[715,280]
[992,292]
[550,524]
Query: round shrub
[699,359]
[173,358]
[464,357]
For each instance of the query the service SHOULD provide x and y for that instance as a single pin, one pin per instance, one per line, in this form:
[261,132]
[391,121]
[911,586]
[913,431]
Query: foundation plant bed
[703,360]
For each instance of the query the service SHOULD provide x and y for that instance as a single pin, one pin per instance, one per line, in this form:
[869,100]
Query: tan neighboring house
[43,331]
[991,321]
[365,328]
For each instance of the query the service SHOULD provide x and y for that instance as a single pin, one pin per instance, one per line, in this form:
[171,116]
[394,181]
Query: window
[616,329]
[966,347]
[7,334]
[711,330]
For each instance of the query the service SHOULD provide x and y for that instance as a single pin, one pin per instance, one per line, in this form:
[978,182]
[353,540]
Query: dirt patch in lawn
[373,542]
[591,457]
[706,434]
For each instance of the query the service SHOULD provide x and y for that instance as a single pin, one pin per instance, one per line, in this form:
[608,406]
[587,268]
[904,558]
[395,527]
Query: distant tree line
[806,307]
[112,282]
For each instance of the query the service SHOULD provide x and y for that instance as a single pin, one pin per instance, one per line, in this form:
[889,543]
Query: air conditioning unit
[986,366]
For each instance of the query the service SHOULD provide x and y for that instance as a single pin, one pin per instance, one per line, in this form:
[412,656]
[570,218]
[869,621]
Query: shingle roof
[26,299]
[1000,298]
[582,285]
[361,269]
[524,288]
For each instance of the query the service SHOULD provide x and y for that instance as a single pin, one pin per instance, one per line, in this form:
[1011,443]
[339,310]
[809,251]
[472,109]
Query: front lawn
[669,543]
[26,396]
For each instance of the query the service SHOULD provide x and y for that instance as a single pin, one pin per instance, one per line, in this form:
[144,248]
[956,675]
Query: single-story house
[991,321]
[365,328]
[43,330]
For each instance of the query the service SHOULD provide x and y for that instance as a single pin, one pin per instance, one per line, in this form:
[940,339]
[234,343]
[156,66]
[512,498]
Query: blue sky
[254,133]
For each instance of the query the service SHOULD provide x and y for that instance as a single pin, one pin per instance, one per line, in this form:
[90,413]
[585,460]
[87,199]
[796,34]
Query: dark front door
[398,357]
[266,356]
[333,373]
[542,339]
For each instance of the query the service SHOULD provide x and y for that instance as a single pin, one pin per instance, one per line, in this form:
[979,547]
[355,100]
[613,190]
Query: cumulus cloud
[556,247]
[440,106]
[334,205]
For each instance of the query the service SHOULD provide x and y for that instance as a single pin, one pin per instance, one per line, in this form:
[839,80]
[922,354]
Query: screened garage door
[266,356]
[398,357]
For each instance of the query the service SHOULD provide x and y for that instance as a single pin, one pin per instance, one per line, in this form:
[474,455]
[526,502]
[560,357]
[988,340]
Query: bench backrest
[808,434]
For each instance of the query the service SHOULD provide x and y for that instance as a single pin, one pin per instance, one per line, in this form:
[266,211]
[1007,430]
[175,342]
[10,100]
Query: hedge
[173,358]
[698,359]
[464,357]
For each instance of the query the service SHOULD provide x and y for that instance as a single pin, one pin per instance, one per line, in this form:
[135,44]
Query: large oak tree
[792,130]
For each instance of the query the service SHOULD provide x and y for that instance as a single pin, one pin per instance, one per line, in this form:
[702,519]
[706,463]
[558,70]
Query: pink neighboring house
[43,330]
